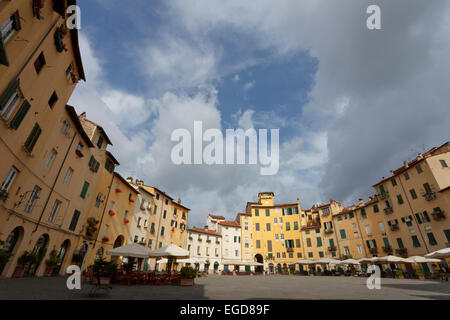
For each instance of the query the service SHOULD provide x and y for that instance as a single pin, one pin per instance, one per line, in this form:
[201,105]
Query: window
[67,177]
[156,208]
[109,165]
[359,248]
[157,196]
[39,63]
[308,242]
[400,243]
[381,226]
[50,158]
[164,213]
[375,208]
[443,163]
[343,235]
[54,211]
[267,213]
[269,245]
[162,231]
[399,199]
[52,100]
[9,27]
[356,234]
[69,71]
[413,193]
[34,196]
[245,225]
[267,226]
[139,222]
[297,243]
[10,100]
[258,244]
[12,174]
[32,138]
[319,241]
[363,213]
[257,226]
[419,169]
[406,175]
[274,220]
[73,223]
[256,213]
[65,127]
[431,239]
[93,164]
[100,142]
[394,182]
[427,188]
[415,241]
[295,225]
[84,190]
[98,200]
[288,226]
[367,230]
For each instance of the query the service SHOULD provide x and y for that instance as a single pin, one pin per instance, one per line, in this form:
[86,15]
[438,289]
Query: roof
[146,191]
[160,191]
[76,46]
[73,115]
[433,151]
[230,224]
[217,217]
[90,126]
[180,205]
[109,154]
[205,231]
[125,182]
[276,205]
[445,189]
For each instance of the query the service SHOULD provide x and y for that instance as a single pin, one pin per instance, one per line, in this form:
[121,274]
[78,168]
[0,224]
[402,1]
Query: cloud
[236,78]
[249,85]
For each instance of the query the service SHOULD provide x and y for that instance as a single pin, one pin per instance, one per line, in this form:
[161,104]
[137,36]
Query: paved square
[238,287]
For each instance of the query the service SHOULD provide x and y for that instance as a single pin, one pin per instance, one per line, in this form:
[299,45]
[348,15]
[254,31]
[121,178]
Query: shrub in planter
[77,258]
[103,270]
[26,259]
[311,272]
[4,258]
[187,276]
[51,263]
[399,274]
[420,274]
[126,221]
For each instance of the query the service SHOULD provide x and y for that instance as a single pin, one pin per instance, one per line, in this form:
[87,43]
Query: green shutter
[3,54]
[74,221]
[20,115]
[84,190]
[12,87]
[33,137]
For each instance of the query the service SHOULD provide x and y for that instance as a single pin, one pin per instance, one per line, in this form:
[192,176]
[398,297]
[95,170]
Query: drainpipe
[54,184]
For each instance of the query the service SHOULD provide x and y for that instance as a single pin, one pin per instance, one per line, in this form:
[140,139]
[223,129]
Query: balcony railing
[290,249]
[3,195]
[438,215]
[401,251]
[429,196]
[312,224]
[328,231]
[394,227]
[383,195]
[388,210]
[388,249]
[332,248]
[373,250]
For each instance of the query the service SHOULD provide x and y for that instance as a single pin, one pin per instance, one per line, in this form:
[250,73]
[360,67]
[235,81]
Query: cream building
[205,245]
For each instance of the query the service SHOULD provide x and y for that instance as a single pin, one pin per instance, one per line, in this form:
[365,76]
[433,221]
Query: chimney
[392,172]
[405,164]
[420,156]
[130,179]
[82,116]
[361,202]
[179,201]
[206,227]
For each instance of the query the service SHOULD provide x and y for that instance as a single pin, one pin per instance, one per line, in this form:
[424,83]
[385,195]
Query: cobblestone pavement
[237,287]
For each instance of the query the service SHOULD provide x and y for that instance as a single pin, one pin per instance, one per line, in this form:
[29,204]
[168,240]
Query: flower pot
[187,282]
[421,278]
[401,277]
[48,271]
[105,280]
[18,272]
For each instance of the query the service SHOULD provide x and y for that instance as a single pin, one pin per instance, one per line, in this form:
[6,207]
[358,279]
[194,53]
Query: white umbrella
[440,254]
[303,262]
[130,250]
[348,262]
[418,259]
[392,259]
[170,251]
[369,260]
[327,261]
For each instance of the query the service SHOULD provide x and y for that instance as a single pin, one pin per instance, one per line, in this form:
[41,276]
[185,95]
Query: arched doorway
[117,243]
[259,258]
[216,266]
[271,268]
[61,255]
[39,250]
[11,244]
[279,268]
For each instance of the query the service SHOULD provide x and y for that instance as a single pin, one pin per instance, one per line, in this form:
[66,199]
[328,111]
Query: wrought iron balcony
[383,195]
[332,248]
[388,210]
[429,196]
[438,215]
[290,249]
[328,230]
[394,227]
[401,251]
[388,249]
[373,250]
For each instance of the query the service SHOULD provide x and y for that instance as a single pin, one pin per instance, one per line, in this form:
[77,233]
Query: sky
[350,103]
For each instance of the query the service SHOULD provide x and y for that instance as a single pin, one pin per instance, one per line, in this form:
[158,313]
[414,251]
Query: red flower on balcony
[126,221]
[105,239]
[118,190]
[132,200]
[112,213]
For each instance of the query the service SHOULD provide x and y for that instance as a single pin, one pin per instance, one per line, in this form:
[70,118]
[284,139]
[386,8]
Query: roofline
[109,154]
[146,191]
[76,46]
[73,115]
[126,182]
[198,230]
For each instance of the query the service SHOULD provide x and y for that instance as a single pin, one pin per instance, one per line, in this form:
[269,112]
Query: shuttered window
[20,115]
[33,137]
[84,190]
[74,222]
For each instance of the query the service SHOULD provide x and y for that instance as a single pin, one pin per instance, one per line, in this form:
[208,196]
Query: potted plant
[126,221]
[311,272]
[112,213]
[24,260]
[187,276]
[118,190]
[341,272]
[103,271]
[420,274]
[4,257]
[399,274]
[91,227]
[51,263]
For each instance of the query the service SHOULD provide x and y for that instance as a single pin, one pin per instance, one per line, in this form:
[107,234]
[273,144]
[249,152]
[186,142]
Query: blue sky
[349,102]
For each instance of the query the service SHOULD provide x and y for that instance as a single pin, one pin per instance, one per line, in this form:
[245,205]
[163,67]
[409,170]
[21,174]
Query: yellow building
[40,204]
[276,232]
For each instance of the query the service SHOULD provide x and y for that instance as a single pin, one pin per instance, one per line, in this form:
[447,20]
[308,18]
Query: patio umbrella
[440,254]
[303,262]
[369,260]
[348,262]
[133,250]
[418,259]
[170,250]
[392,259]
[327,261]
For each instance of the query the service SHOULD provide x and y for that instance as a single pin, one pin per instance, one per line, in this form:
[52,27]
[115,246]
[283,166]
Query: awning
[170,251]
[130,250]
